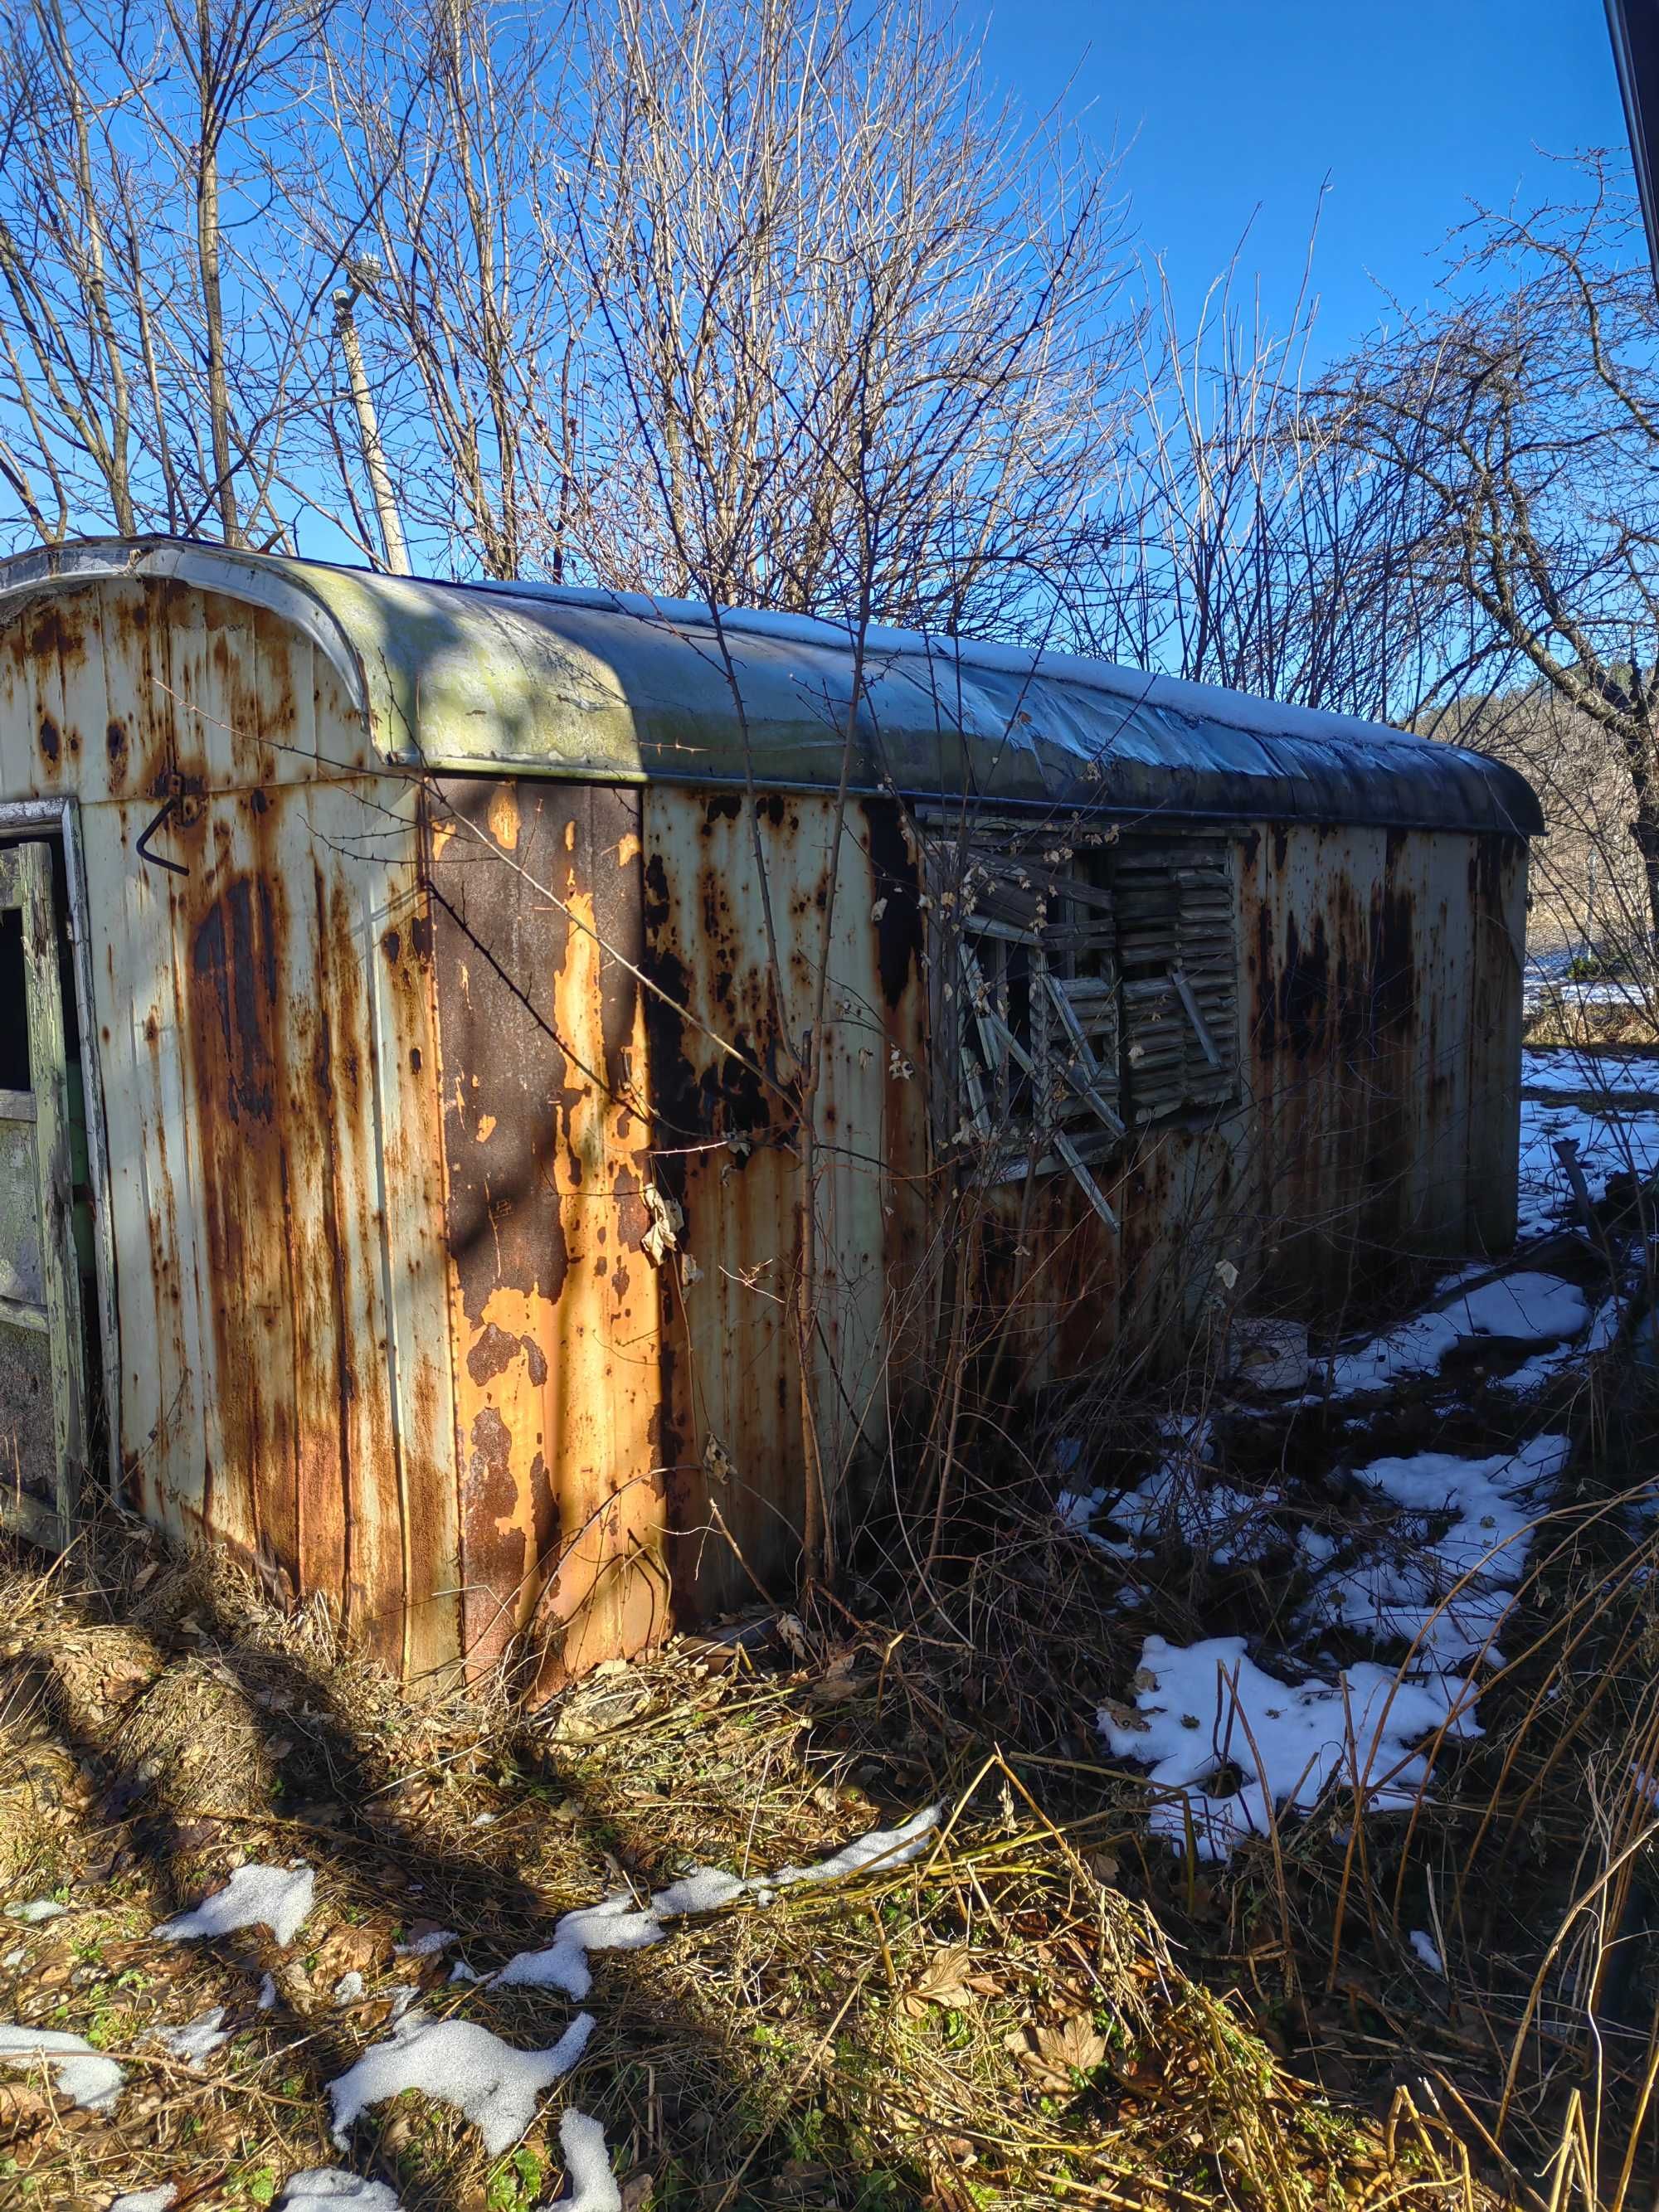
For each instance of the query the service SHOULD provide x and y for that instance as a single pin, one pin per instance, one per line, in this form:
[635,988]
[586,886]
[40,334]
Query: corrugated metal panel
[590,687]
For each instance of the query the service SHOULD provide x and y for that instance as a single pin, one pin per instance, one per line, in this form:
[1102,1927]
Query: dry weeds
[1001,2023]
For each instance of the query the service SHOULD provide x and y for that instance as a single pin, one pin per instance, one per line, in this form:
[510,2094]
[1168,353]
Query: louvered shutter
[1179,954]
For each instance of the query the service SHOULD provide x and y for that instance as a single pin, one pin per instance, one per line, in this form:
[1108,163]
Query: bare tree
[1524,410]
[432,139]
[1255,549]
[151,348]
[854,330]
[852,337]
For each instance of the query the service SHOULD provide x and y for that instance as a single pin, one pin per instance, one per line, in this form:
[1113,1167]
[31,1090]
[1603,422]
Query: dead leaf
[637,2191]
[24,2108]
[1076,2045]
[1056,2056]
[939,1983]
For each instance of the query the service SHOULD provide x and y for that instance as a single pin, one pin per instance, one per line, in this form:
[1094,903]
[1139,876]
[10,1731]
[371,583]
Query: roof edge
[261,580]
[1227,752]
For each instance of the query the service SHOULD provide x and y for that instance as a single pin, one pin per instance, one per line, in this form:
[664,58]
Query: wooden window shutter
[1038,1033]
[1179,951]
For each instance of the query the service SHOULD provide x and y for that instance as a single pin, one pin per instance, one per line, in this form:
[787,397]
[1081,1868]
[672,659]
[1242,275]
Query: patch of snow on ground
[147,2200]
[1545,1366]
[1206,1516]
[427,1946]
[1074,1509]
[1575,1071]
[38,1909]
[277,1897]
[266,2000]
[1527,1306]
[349,1989]
[706,1890]
[78,2072]
[1405,1587]
[619,1925]
[198,2040]
[1613,1136]
[462,2064]
[333,2185]
[1197,1707]
[883,1847]
[593,2186]
[1423,1944]
[1179,1498]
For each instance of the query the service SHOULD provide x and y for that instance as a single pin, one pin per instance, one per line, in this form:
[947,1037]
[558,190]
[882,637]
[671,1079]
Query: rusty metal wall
[556,1307]
[453,1133]
[626,1187]
[1380,998]
[263,1021]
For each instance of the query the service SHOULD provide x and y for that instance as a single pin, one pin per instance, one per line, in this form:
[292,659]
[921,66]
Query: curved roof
[541,680]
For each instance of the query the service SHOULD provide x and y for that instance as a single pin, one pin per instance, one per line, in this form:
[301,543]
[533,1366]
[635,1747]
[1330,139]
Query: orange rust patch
[504,818]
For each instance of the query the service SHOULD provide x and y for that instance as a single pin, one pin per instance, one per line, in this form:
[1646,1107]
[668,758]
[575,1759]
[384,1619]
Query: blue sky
[1412,110]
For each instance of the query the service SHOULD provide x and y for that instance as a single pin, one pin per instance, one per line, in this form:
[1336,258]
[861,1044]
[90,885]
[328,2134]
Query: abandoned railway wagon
[506,1093]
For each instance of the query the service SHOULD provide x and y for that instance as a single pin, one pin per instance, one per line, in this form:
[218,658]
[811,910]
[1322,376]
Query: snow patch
[1544,1366]
[1179,1498]
[1611,1136]
[1423,1944]
[619,1925]
[884,1847]
[1448,1594]
[1603,1075]
[427,1946]
[332,2184]
[1527,1306]
[266,2000]
[462,2064]
[78,2072]
[593,2186]
[1198,1708]
[277,1897]
[197,2040]
[160,2199]
[38,1909]
[349,1989]
[705,1890]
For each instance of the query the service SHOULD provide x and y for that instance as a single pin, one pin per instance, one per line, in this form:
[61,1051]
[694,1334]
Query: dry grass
[1561,1018]
[1001,2023]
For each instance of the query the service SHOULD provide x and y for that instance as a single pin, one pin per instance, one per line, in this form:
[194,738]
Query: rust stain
[504,818]
[555,1369]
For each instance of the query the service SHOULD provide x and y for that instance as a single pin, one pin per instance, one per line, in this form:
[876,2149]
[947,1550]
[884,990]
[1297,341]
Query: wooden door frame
[58,819]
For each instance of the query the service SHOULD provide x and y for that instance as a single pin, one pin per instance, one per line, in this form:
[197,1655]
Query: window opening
[1093,979]
[1038,1036]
